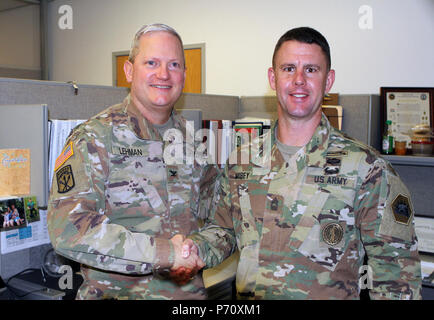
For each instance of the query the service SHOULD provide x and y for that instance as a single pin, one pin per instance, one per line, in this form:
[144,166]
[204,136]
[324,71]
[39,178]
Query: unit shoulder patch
[401,209]
[398,212]
[65,179]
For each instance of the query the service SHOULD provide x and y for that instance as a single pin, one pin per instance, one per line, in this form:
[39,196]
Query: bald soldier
[117,206]
[312,203]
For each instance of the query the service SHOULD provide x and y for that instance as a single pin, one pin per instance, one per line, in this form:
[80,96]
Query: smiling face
[157,74]
[300,78]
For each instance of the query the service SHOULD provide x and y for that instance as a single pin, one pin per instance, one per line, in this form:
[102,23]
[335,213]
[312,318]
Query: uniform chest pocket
[243,214]
[330,235]
[183,188]
[136,186]
[325,244]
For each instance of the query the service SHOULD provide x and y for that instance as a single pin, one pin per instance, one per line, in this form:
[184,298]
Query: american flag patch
[65,155]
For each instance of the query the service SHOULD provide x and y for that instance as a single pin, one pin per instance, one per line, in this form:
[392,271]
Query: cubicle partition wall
[64,101]
[216,107]
[361,118]
[21,73]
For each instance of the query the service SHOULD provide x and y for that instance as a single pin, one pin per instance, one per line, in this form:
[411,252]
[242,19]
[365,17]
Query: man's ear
[272,78]
[128,70]
[330,80]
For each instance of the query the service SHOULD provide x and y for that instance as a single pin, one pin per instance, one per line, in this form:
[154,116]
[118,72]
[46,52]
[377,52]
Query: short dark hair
[305,35]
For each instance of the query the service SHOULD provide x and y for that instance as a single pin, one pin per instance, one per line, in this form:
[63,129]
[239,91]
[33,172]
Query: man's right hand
[187,261]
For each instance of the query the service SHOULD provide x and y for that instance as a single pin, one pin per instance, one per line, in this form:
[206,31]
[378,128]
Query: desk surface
[36,278]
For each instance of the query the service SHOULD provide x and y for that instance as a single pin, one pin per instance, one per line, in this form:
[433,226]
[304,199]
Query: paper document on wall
[14,171]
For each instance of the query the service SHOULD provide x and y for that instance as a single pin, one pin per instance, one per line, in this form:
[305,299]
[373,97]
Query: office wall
[20,38]
[240,37]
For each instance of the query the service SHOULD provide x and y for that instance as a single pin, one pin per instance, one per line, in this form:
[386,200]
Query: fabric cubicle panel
[60,97]
[214,107]
[258,107]
[361,118]
[63,103]
[20,73]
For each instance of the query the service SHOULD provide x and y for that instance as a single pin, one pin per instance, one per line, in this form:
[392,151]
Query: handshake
[187,261]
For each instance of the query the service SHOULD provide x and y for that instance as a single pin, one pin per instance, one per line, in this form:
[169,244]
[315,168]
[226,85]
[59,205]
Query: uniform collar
[312,154]
[316,149]
[142,127]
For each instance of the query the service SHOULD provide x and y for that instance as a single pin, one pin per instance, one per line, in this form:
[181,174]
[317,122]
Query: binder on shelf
[227,142]
[218,140]
[254,127]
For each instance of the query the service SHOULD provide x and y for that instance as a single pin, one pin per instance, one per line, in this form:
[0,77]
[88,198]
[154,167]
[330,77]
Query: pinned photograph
[31,209]
[12,214]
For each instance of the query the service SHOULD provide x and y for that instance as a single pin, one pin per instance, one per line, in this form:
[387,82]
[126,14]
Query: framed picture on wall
[406,108]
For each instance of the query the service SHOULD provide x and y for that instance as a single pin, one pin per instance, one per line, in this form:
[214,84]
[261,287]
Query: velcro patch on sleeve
[67,152]
[65,179]
[402,210]
[398,211]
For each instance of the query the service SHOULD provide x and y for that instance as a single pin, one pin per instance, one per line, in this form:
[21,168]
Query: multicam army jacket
[115,203]
[304,227]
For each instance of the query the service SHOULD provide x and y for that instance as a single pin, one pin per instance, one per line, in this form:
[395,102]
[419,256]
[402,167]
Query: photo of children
[12,214]
[31,209]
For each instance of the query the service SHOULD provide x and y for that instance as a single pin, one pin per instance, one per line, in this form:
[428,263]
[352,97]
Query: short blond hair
[152,28]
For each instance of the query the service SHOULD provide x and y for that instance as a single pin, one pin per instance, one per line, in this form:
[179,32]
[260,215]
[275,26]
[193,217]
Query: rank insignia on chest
[332,233]
[172,172]
[401,209]
[65,179]
[274,204]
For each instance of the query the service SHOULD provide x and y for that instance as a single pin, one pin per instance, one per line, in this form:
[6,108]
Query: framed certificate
[406,107]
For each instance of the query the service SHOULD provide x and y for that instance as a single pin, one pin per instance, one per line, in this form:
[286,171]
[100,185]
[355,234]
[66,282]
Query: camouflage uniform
[304,227]
[115,203]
